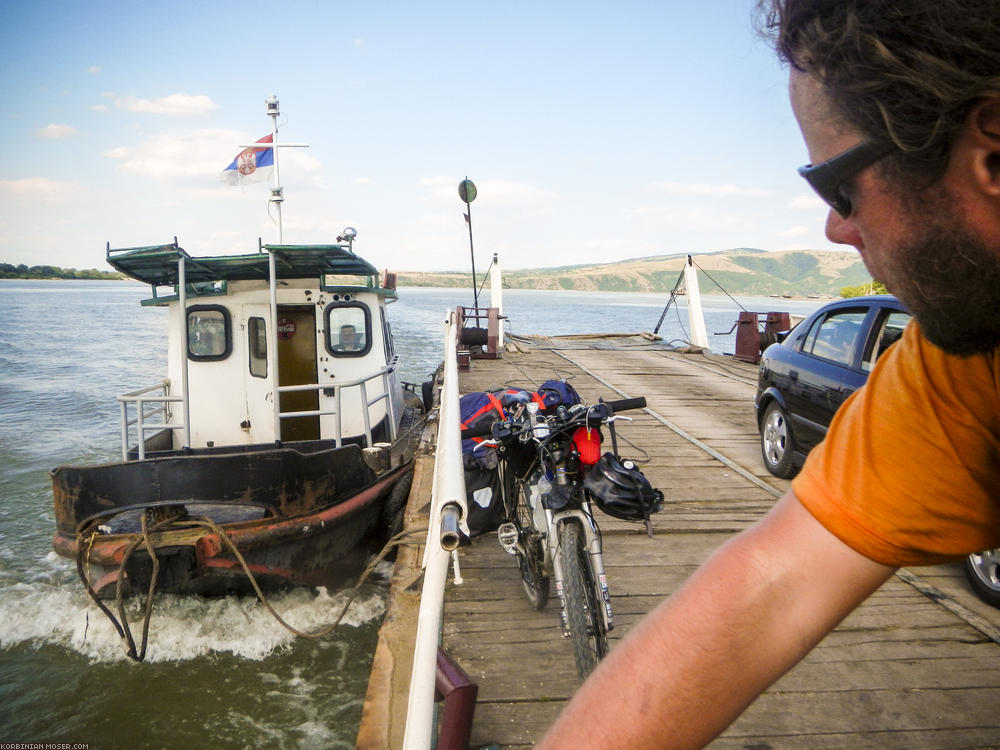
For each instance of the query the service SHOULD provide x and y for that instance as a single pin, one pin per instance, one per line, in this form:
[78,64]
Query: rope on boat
[122,624]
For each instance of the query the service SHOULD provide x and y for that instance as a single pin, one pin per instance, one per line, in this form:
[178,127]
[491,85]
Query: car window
[836,336]
[890,332]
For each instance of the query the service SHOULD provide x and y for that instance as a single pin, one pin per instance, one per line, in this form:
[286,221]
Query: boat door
[259,423]
[297,366]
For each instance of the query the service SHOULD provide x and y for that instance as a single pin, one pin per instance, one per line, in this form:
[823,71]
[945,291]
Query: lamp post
[467,192]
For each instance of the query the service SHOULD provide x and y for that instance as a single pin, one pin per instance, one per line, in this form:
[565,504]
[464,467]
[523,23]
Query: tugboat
[280,439]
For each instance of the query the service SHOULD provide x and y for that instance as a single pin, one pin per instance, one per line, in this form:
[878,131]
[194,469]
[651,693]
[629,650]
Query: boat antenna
[467,192]
[277,193]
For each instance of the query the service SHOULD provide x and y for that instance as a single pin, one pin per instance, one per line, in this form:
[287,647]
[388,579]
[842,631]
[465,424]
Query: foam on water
[181,628]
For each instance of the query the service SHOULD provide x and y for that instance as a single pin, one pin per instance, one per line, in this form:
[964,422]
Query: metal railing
[448,514]
[338,388]
[140,400]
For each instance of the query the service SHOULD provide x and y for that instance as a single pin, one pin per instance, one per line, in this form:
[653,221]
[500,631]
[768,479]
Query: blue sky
[594,131]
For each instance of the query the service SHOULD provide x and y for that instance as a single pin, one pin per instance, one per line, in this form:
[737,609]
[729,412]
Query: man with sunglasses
[899,105]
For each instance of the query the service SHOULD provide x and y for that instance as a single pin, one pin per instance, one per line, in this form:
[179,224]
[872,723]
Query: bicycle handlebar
[627,403]
[595,415]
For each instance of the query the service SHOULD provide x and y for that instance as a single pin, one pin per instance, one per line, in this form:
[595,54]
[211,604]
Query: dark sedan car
[804,379]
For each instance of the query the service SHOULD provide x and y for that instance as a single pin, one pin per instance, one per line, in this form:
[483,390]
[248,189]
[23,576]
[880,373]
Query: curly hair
[906,71]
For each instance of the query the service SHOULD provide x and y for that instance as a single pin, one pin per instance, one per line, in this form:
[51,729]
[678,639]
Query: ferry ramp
[916,666]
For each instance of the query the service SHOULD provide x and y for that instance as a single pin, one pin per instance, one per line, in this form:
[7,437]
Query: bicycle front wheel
[582,600]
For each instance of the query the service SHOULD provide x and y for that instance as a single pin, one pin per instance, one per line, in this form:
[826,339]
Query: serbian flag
[250,165]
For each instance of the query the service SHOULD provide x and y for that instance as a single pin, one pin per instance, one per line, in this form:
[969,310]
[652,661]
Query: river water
[219,672]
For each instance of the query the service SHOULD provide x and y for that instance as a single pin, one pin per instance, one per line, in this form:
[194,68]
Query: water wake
[181,628]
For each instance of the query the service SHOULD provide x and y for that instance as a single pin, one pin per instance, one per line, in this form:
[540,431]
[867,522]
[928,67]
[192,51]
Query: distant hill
[739,271]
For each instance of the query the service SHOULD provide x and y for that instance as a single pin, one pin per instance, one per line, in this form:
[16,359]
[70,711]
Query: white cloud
[805,202]
[503,192]
[506,192]
[715,191]
[175,104]
[179,154]
[363,181]
[200,153]
[297,159]
[94,69]
[798,231]
[98,108]
[440,186]
[54,132]
[41,189]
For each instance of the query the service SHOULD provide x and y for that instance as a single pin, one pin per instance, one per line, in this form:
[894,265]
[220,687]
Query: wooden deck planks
[900,672]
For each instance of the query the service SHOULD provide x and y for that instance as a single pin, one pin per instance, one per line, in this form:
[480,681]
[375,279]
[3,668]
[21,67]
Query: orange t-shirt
[909,472]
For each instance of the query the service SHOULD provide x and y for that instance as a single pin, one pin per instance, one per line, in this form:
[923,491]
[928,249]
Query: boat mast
[276,199]
[272,272]
[276,196]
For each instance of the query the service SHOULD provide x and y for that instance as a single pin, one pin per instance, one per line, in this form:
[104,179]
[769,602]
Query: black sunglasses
[830,178]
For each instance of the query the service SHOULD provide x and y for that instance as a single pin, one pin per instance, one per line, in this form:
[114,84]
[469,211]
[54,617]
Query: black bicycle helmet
[621,490]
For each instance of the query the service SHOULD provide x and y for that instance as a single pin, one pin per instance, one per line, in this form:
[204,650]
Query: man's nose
[842,231]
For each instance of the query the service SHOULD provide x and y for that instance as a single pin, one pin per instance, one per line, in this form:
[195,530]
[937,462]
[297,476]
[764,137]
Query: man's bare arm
[756,607]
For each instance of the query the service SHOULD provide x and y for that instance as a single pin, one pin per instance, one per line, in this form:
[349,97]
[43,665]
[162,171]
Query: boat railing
[151,406]
[142,400]
[337,390]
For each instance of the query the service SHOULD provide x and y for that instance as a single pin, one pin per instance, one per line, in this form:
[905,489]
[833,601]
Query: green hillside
[739,271]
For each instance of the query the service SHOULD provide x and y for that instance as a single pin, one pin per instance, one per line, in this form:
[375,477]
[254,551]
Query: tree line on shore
[23,271]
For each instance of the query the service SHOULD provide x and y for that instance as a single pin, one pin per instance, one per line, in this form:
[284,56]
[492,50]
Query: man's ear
[982,137]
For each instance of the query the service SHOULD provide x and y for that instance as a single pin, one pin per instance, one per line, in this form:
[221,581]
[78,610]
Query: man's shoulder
[916,356]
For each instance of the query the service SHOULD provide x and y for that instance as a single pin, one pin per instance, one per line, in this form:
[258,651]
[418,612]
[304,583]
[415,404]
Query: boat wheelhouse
[281,437]
[313,337]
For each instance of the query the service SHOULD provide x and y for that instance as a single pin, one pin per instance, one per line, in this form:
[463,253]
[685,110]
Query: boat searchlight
[348,236]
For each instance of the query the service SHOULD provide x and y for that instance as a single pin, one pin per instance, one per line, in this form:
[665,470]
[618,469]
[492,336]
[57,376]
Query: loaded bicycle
[551,472]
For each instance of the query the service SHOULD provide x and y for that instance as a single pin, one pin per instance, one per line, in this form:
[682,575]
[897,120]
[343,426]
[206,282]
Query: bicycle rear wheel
[531,563]
[582,600]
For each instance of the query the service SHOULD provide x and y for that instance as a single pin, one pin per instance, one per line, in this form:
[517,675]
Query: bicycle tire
[582,600]
[531,564]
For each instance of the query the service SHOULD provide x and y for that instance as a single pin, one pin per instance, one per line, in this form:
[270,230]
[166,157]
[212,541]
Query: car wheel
[983,571]
[776,442]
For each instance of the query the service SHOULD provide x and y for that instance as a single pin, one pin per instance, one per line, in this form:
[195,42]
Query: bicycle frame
[595,557]
[547,523]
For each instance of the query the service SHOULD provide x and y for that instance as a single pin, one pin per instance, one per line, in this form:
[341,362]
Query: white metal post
[185,391]
[272,347]
[276,196]
[696,317]
[496,294]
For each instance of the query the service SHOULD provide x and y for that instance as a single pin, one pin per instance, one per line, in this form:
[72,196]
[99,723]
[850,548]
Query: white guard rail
[337,388]
[448,514]
[140,399]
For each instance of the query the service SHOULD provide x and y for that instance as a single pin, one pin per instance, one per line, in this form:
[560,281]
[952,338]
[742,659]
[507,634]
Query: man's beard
[950,281]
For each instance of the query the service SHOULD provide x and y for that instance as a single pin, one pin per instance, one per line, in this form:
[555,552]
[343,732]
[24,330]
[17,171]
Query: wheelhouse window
[257,346]
[837,336]
[348,329]
[209,333]
[390,350]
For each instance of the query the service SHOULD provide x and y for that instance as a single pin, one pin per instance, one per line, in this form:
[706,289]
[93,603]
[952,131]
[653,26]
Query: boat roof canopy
[157,265]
